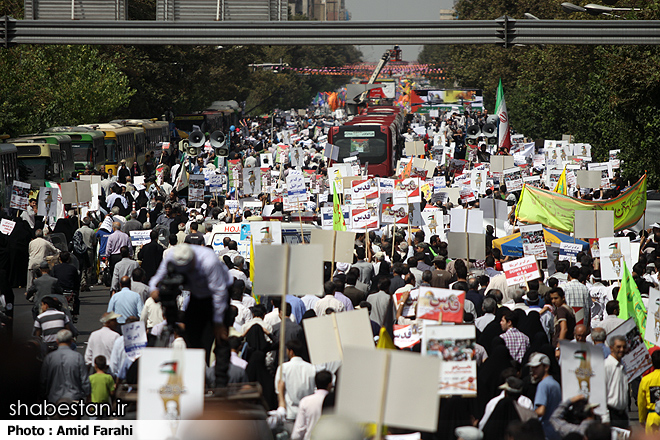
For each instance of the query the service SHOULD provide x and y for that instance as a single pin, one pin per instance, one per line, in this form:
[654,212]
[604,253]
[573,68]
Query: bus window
[82,152]
[36,169]
[111,155]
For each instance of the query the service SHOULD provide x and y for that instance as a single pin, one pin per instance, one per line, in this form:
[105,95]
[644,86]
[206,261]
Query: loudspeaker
[473,132]
[218,141]
[197,139]
[489,130]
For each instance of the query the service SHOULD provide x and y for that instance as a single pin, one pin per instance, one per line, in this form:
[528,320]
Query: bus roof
[146,123]
[43,138]
[107,127]
[80,131]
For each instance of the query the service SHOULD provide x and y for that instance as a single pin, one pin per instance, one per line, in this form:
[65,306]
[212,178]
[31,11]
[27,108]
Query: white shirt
[240,275]
[482,321]
[236,360]
[258,321]
[523,401]
[327,302]
[309,412]
[310,301]
[244,314]
[610,323]
[118,356]
[616,383]
[152,313]
[100,343]
[248,301]
[298,377]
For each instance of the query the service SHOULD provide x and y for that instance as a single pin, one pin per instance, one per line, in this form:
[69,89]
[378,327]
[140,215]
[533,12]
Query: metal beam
[504,31]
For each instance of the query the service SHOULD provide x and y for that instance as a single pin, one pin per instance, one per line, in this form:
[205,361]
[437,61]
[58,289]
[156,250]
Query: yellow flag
[562,185]
[252,265]
[338,222]
[384,340]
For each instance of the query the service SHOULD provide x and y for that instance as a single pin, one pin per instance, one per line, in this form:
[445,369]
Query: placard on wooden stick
[588,179]
[343,241]
[371,389]
[328,336]
[593,224]
[300,274]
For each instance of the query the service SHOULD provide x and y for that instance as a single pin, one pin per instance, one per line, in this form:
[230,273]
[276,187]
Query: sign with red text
[455,345]
[406,336]
[395,214]
[364,189]
[407,191]
[440,305]
[521,270]
[364,217]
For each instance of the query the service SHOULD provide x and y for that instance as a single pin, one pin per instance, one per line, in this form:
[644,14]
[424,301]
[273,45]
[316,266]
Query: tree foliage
[608,96]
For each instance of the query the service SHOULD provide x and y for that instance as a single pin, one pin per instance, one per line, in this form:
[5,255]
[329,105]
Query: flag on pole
[503,130]
[338,223]
[630,301]
[407,170]
[562,185]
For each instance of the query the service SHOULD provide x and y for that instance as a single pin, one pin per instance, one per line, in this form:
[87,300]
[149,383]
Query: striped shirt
[50,322]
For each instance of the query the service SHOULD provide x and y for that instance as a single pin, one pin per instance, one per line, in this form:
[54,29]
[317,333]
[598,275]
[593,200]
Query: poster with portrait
[395,214]
[478,180]
[20,193]
[297,157]
[613,252]
[47,201]
[455,346]
[251,181]
[533,241]
[171,384]
[637,358]
[364,217]
[196,187]
[440,305]
[513,179]
[407,191]
[583,372]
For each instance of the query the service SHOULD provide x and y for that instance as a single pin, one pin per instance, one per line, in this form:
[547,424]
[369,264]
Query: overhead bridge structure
[503,31]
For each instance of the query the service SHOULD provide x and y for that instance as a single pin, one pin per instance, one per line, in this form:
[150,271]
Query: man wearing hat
[101,341]
[548,391]
[512,387]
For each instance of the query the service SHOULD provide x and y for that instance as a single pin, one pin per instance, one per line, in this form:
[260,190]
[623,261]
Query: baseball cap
[537,359]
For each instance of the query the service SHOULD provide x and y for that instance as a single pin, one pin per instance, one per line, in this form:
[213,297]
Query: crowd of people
[518,327]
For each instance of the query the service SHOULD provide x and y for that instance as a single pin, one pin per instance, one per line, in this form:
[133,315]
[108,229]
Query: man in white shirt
[612,319]
[511,388]
[311,407]
[101,341]
[328,301]
[258,313]
[489,306]
[298,377]
[237,271]
[244,314]
[616,383]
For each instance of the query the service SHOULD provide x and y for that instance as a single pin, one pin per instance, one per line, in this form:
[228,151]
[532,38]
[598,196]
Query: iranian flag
[503,130]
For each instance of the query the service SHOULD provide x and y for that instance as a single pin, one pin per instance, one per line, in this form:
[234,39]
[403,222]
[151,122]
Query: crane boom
[396,53]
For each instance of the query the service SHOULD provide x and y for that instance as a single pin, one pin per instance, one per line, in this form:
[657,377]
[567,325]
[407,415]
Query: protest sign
[395,214]
[331,151]
[415,148]
[364,217]
[409,305]
[588,179]
[252,181]
[467,220]
[277,270]
[297,157]
[583,372]
[327,336]
[533,241]
[455,345]
[613,252]
[594,247]
[6,226]
[337,245]
[467,194]
[637,358]
[266,160]
[371,389]
[407,191]
[76,192]
[364,189]
[513,179]
[500,163]
[652,333]
[440,305]
[594,224]
[140,238]
[439,183]
[466,245]
[521,270]
[196,184]
[135,339]
[478,180]
[569,251]
[295,183]
[20,193]
[614,158]
[262,232]
[406,336]
[232,205]
[385,185]
[532,180]
[171,384]
[47,201]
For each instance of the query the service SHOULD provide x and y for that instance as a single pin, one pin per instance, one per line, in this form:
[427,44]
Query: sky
[394,10]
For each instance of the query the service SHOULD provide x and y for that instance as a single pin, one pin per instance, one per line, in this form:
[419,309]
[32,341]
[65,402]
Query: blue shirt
[298,308]
[548,394]
[126,303]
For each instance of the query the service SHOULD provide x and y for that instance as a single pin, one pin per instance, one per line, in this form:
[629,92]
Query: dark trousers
[200,334]
[619,417]
[112,261]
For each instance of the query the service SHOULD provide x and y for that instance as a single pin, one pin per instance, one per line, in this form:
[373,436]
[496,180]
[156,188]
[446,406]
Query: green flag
[630,301]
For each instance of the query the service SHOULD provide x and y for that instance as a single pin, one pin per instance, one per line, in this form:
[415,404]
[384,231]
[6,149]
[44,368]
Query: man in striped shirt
[50,321]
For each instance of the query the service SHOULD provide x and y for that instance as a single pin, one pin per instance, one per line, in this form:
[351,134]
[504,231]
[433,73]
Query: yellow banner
[557,211]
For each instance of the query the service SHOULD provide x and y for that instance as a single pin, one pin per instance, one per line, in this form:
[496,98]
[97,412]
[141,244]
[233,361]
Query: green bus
[8,171]
[39,162]
[88,146]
